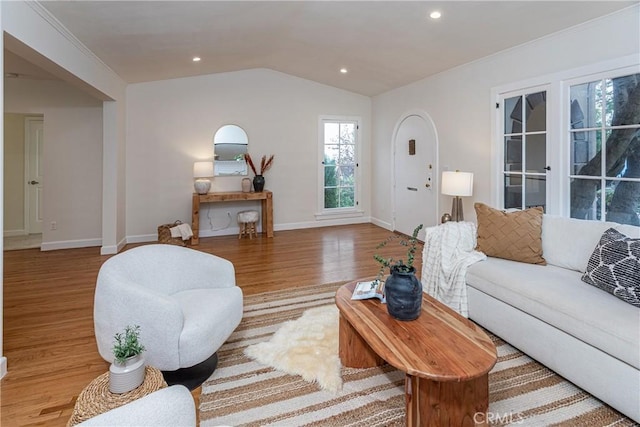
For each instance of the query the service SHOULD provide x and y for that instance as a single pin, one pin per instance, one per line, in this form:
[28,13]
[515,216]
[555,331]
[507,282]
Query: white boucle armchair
[186,303]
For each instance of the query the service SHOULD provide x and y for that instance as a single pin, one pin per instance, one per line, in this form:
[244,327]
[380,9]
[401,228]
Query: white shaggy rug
[307,346]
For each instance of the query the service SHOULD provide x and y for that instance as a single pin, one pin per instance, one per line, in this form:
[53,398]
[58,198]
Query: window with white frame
[524,147]
[591,142]
[339,150]
[604,147]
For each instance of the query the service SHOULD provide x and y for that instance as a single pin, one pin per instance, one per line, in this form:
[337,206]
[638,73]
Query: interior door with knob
[415,187]
[34,140]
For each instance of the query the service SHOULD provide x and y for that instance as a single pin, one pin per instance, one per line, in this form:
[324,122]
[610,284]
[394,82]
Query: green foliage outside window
[337,194]
[339,165]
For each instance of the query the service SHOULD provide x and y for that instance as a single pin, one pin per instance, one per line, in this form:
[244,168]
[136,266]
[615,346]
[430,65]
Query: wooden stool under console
[247,221]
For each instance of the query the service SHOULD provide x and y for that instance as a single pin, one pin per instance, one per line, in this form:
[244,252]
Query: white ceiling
[383,44]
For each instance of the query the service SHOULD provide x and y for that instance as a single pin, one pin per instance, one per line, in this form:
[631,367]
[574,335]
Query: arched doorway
[415,157]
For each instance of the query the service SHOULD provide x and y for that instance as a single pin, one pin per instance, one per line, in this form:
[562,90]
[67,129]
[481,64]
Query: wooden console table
[266,198]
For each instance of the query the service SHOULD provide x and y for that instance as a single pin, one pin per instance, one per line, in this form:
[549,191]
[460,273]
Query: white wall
[72,164]
[31,32]
[3,359]
[114,177]
[459,100]
[171,123]
[14,174]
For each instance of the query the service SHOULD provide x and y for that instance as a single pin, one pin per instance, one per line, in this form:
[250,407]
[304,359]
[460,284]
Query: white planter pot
[124,377]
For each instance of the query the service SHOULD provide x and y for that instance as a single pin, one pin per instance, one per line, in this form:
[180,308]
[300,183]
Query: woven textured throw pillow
[515,236]
[614,266]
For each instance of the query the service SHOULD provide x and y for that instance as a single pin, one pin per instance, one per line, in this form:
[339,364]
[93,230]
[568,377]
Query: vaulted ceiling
[382,44]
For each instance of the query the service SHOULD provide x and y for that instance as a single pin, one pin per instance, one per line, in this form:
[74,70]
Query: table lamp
[457,184]
[202,171]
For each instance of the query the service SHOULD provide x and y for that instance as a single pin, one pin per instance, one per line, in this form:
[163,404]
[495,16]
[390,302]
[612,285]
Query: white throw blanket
[182,230]
[448,252]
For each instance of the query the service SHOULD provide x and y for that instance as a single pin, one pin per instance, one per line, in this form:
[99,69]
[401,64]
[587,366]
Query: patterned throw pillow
[614,266]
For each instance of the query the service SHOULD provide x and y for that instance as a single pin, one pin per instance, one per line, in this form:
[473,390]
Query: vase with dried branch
[265,165]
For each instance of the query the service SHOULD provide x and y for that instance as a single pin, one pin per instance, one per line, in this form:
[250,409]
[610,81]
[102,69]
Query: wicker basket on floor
[164,234]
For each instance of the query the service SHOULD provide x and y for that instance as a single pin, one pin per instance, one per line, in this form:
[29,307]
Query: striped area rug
[242,392]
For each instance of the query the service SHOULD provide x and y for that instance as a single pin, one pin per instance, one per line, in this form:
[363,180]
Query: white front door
[415,187]
[34,140]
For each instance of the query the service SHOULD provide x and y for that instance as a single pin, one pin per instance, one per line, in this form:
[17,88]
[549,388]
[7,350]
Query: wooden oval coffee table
[446,357]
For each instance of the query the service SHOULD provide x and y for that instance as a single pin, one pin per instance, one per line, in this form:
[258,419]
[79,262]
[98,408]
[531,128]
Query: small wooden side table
[96,398]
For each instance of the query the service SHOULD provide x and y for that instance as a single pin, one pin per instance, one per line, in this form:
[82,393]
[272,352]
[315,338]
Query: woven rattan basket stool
[96,398]
[248,220]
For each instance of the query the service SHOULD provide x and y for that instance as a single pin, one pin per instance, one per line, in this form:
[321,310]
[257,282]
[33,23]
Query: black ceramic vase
[258,183]
[403,291]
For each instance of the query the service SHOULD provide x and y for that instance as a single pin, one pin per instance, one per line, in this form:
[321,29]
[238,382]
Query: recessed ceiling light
[196,58]
[435,15]
[344,70]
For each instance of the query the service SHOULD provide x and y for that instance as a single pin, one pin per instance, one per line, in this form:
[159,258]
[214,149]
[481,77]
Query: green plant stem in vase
[128,368]
[409,242]
[127,344]
[403,290]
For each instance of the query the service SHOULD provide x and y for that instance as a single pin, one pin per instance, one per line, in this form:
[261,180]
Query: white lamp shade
[457,183]
[203,169]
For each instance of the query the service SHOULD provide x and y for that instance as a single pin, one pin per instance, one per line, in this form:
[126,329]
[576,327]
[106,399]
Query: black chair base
[194,376]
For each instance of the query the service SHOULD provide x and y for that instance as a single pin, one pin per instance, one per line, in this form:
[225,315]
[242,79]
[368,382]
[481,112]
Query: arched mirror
[230,144]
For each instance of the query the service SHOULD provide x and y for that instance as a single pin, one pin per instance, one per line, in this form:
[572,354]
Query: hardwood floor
[48,306]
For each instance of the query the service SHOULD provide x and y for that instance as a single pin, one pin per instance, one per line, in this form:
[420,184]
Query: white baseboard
[230,231]
[109,250]
[70,244]
[15,233]
[146,238]
[3,366]
[142,238]
[381,223]
[113,249]
[122,244]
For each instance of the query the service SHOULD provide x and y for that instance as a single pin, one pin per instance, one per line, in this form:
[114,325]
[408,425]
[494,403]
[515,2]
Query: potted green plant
[403,290]
[409,242]
[128,368]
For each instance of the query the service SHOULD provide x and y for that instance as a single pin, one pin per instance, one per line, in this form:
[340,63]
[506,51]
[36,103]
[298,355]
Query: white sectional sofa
[583,333]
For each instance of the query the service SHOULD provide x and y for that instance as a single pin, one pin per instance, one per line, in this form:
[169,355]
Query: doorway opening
[23,151]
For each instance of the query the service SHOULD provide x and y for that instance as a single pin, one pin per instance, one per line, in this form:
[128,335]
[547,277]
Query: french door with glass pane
[524,135]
